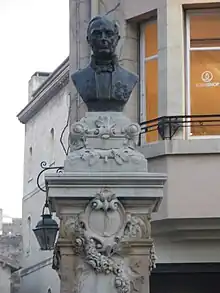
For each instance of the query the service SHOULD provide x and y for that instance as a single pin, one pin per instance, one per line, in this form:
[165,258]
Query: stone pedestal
[104,199]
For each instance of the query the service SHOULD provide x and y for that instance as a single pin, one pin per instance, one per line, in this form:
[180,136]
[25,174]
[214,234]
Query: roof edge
[53,84]
[9,262]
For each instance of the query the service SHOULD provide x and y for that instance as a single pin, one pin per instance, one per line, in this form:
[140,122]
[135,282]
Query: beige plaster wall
[192,188]
[137,8]
[197,251]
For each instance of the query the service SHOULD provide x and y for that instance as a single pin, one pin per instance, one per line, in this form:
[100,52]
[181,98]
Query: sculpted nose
[104,41]
[103,38]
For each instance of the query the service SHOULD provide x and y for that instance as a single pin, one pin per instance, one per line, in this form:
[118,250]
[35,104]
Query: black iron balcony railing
[167,126]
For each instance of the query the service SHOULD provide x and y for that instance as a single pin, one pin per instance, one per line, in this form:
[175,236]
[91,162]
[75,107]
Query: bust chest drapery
[109,89]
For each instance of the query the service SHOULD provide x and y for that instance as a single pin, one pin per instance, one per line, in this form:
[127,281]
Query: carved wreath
[98,250]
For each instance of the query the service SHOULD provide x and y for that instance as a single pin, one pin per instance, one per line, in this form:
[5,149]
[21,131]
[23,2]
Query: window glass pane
[205,90]
[151,93]
[205,30]
[151,39]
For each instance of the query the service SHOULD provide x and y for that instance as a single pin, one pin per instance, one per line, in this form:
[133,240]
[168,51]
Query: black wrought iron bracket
[45,167]
[168,126]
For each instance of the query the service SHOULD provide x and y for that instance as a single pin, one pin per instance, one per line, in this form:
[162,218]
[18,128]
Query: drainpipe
[94,8]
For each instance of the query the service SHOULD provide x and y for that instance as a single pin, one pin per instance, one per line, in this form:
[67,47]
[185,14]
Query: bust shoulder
[84,81]
[81,75]
[128,77]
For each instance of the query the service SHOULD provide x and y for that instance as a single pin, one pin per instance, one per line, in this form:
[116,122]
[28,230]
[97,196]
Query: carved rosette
[97,234]
[105,128]
[77,137]
[132,132]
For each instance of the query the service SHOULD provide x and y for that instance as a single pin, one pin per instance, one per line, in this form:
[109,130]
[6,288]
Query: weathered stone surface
[107,245]
[105,196]
[104,141]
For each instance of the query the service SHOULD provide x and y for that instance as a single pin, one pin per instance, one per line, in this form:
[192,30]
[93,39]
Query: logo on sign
[207,76]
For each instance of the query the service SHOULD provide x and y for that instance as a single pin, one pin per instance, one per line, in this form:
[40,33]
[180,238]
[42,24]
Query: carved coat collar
[100,66]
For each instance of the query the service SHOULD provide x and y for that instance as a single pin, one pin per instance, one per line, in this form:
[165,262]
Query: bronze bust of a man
[104,85]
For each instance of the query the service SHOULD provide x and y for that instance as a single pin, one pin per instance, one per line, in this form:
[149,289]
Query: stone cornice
[65,186]
[187,229]
[52,85]
[122,179]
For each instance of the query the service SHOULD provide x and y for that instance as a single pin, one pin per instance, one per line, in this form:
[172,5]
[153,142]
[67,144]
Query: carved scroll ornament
[98,232]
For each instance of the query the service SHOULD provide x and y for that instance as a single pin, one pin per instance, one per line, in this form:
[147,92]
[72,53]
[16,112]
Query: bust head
[103,36]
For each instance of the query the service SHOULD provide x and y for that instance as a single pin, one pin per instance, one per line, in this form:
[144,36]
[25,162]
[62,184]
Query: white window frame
[188,50]
[143,60]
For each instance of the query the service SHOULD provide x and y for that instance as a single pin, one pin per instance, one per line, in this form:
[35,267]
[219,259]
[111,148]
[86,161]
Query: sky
[34,36]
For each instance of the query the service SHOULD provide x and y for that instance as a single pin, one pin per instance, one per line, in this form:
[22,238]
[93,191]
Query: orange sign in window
[151,83]
[151,78]
[205,71]
[205,90]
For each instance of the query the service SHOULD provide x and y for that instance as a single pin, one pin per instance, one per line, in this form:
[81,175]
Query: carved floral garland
[92,246]
[104,264]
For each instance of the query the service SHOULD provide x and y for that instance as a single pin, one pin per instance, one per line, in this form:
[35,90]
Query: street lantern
[46,230]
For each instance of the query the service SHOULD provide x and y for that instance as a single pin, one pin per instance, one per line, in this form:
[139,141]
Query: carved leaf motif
[81,274]
[91,156]
[118,159]
[96,250]
[136,277]
[137,283]
[137,227]
[85,155]
[124,156]
[71,226]
[99,122]
[93,159]
[136,159]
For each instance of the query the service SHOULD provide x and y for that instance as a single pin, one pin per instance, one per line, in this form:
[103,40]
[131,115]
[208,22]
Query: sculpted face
[103,37]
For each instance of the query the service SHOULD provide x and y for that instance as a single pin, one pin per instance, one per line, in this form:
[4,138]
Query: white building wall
[5,283]
[41,144]
[1,220]
[39,278]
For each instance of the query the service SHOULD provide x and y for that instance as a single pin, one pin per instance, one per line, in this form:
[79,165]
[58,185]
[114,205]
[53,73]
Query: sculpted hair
[105,20]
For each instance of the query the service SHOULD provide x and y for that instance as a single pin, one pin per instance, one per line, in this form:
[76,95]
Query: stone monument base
[104,242]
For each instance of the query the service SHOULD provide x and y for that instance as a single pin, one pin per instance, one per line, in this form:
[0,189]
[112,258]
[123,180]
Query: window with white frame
[203,69]
[149,75]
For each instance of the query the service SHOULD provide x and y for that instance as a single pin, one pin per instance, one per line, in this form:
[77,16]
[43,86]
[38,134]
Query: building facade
[7,268]
[10,252]
[174,46]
